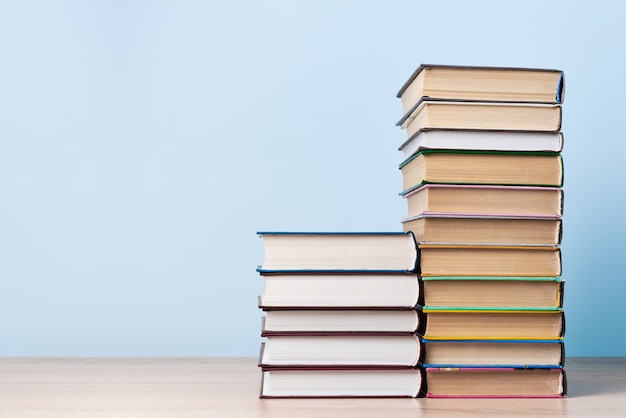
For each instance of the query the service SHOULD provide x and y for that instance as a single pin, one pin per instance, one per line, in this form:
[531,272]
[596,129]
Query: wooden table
[229,387]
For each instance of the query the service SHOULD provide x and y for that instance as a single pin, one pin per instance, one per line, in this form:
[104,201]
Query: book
[482,167]
[482,83]
[494,353]
[339,290]
[484,229]
[496,382]
[481,140]
[325,321]
[338,251]
[432,113]
[489,260]
[347,350]
[493,292]
[490,324]
[485,200]
[341,383]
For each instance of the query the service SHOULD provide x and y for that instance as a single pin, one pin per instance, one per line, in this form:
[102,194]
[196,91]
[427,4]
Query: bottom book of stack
[506,382]
[341,382]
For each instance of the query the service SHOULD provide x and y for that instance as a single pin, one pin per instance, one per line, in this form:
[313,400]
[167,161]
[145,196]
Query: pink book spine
[489,186]
[480,369]
[430,395]
[492,215]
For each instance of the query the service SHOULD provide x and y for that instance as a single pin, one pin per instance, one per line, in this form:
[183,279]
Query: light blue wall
[143,143]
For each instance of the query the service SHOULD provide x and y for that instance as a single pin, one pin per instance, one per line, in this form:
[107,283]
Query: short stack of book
[340,315]
[482,177]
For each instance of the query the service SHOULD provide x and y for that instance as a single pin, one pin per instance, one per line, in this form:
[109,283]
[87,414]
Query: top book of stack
[501,84]
[325,252]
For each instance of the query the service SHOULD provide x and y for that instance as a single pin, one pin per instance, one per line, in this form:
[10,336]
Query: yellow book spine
[489,338]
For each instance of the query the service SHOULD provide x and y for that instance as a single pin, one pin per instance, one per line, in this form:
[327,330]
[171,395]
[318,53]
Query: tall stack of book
[483,176]
[340,315]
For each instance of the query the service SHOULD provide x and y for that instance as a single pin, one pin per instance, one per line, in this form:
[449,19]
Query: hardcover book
[338,251]
[495,383]
[493,353]
[489,260]
[482,167]
[432,113]
[503,292]
[345,350]
[482,83]
[287,290]
[485,200]
[324,321]
[481,140]
[341,382]
[492,324]
[484,229]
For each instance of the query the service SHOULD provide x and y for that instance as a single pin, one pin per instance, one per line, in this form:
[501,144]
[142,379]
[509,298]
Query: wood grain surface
[229,387]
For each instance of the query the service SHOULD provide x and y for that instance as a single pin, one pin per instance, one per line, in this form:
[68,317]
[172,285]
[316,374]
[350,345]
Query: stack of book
[483,175]
[340,315]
